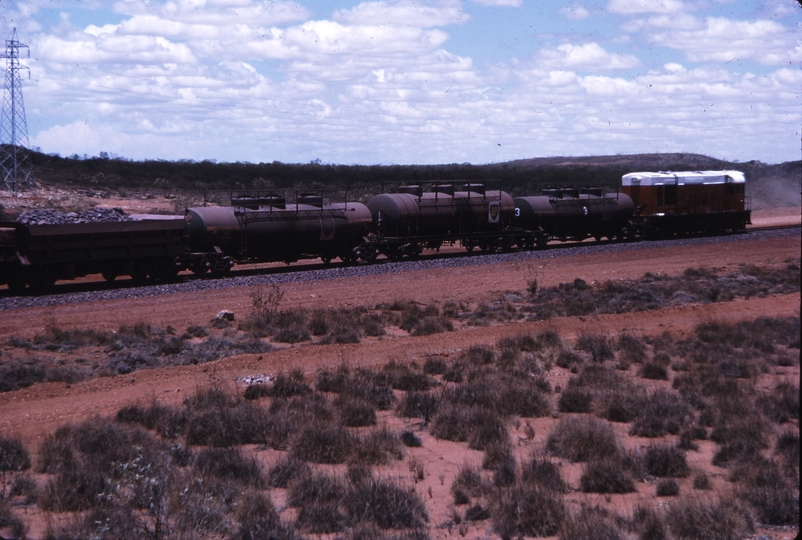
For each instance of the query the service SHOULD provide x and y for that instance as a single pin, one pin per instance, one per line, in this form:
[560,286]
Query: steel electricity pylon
[15,158]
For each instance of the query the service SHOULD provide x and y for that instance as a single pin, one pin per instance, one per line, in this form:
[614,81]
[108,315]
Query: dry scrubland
[605,436]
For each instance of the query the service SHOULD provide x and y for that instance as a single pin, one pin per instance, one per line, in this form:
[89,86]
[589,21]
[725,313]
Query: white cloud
[499,3]
[216,13]
[380,82]
[588,57]
[575,13]
[403,13]
[632,7]
[717,39]
[111,48]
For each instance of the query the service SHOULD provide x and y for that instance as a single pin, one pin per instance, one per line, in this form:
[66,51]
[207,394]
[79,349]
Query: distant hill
[768,184]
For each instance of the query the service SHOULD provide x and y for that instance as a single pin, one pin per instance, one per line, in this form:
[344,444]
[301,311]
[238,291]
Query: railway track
[92,291]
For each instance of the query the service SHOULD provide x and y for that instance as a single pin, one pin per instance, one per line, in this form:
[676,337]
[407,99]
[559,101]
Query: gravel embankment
[121,292]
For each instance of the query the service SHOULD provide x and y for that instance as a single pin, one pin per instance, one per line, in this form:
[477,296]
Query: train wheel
[140,272]
[370,255]
[222,271]
[109,275]
[326,259]
[16,284]
[199,267]
[41,282]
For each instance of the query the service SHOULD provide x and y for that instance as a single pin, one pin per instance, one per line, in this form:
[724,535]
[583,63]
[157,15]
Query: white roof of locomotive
[682,177]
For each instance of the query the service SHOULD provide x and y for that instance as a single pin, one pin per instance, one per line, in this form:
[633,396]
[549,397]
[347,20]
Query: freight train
[404,223]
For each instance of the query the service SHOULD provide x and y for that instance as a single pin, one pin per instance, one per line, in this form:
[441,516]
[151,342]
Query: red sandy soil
[35,412]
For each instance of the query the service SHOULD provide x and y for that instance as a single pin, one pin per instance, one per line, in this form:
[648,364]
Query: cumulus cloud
[381,82]
[718,39]
[502,3]
[107,47]
[575,12]
[632,7]
[215,13]
[403,13]
[587,56]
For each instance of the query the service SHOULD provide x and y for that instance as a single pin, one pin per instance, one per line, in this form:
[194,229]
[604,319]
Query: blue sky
[411,81]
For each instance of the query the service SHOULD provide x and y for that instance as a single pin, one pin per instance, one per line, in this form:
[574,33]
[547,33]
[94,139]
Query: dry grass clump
[666,461]
[321,442]
[660,413]
[787,448]
[259,519]
[327,504]
[609,474]
[575,399]
[781,404]
[702,481]
[656,368]
[286,470]
[230,464]
[168,422]
[354,411]
[539,470]
[14,458]
[527,509]
[86,460]
[509,392]
[287,385]
[739,429]
[11,522]
[477,425]
[597,346]
[377,447]
[582,438]
[717,519]
[410,440]
[768,491]
[214,418]
[590,523]
[467,484]
[407,378]
[418,405]
[317,497]
[667,488]
[600,389]
[630,348]
[374,387]
[385,504]
[434,366]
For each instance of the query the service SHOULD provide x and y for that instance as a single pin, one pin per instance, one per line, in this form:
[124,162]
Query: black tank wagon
[572,214]
[412,219]
[270,229]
